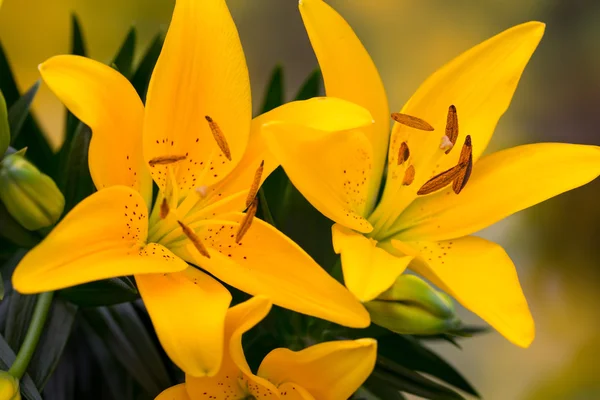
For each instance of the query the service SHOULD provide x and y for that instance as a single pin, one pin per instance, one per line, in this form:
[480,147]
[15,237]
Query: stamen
[440,181]
[466,160]
[219,137]
[255,184]
[403,153]
[202,191]
[247,221]
[452,126]
[446,144]
[409,175]
[411,121]
[164,208]
[164,160]
[187,231]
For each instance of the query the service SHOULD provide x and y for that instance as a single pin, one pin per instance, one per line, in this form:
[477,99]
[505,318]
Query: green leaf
[20,310]
[76,182]
[275,93]
[142,74]
[408,381]
[18,112]
[52,342]
[379,388]
[40,153]
[101,293]
[12,231]
[124,58]
[311,86]
[4,126]
[7,357]
[409,353]
[124,333]
[1,288]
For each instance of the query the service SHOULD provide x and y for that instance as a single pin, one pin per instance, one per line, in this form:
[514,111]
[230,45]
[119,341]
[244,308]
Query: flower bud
[411,306]
[31,197]
[9,387]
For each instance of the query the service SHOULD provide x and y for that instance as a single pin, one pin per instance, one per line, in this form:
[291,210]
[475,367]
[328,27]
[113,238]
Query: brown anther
[452,126]
[409,175]
[165,160]
[189,232]
[247,221]
[440,181]
[403,153]
[466,160]
[219,137]
[164,208]
[255,184]
[411,121]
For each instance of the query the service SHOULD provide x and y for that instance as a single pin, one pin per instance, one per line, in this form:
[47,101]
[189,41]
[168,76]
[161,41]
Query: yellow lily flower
[195,138]
[326,371]
[419,220]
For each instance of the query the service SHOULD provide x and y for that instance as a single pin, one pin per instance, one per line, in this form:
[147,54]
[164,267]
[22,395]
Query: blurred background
[555,245]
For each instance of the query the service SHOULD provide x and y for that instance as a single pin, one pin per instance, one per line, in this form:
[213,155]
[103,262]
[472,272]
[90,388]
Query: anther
[412,122]
[440,181]
[247,221]
[165,160]
[189,232]
[255,184]
[451,127]
[403,153]
[466,159]
[164,208]
[409,176]
[219,137]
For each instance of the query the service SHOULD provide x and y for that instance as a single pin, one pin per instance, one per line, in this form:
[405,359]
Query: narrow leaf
[101,293]
[7,357]
[4,126]
[78,46]
[13,232]
[20,310]
[124,58]
[311,86]
[379,388]
[142,74]
[19,111]
[275,93]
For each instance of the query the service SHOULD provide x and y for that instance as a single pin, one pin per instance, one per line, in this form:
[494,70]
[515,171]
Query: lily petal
[328,371]
[177,392]
[105,101]
[501,184]
[103,237]
[334,43]
[233,378]
[188,311]
[480,83]
[481,276]
[201,72]
[332,169]
[267,263]
[368,270]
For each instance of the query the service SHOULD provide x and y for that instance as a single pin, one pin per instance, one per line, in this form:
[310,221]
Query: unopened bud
[9,387]
[411,306]
[31,197]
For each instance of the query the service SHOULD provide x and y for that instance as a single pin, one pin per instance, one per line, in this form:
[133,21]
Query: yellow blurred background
[555,245]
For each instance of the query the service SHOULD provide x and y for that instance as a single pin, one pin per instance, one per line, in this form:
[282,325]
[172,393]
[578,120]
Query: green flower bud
[31,197]
[411,306]
[9,387]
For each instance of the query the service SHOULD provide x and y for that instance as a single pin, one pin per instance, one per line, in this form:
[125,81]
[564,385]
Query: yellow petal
[235,374]
[104,236]
[177,392]
[480,83]
[293,391]
[358,81]
[267,263]
[201,72]
[331,168]
[501,184]
[188,311]
[481,276]
[328,371]
[105,101]
[368,270]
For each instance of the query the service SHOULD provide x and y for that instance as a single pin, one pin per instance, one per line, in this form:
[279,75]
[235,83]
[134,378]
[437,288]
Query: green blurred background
[554,245]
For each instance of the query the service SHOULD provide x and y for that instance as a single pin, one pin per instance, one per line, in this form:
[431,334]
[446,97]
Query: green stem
[266,211]
[40,313]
